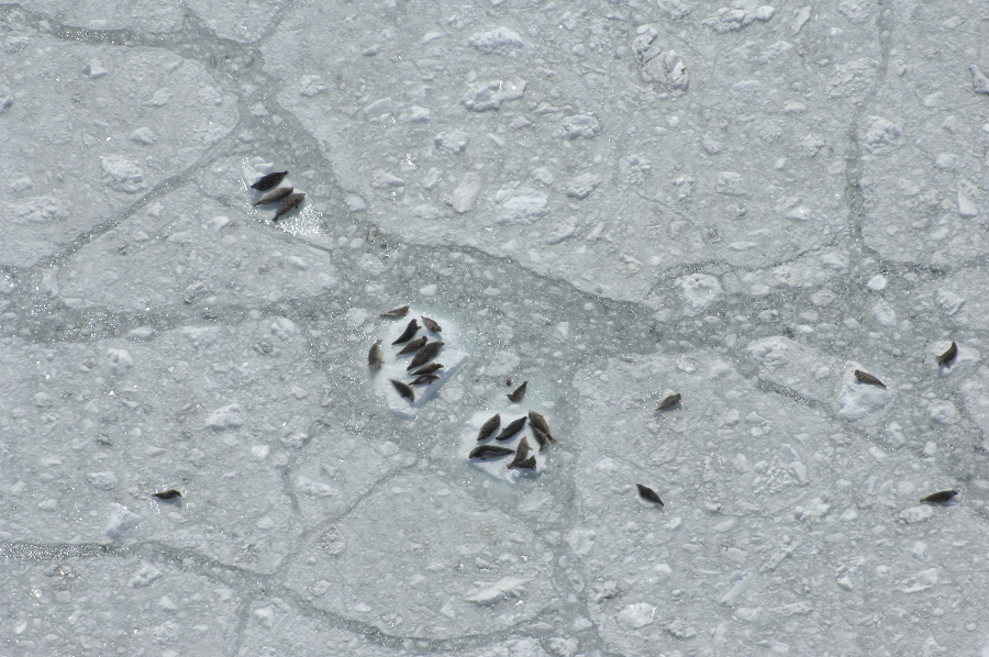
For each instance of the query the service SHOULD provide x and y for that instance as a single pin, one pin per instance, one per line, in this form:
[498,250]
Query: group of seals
[290,199]
[424,351]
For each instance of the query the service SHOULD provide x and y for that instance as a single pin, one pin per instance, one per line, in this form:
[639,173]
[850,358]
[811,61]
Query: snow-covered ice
[738,202]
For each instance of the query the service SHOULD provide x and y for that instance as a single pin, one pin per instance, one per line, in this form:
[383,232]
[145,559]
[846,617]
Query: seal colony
[508,444]
[287,198]
[524,438]
[421,372]
[408,361]
[421,350]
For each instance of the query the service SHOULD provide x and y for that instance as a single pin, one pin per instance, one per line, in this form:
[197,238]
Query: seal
[521,455]
[519,393]
[289,203]
[413,346]
[865,377]
[431,325]
[425,355]
[537,421]
[512,429]
[527,464]
[669,402]
[543,438]
[489,427]
[948,356]
[647,493]
[940,497]
[375,357]
[398,313]
[273,195]
[404,390]
[269,181]
[408,333]
[428,369]
[485,452]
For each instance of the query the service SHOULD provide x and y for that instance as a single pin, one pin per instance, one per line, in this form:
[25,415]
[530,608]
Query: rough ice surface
[742,203]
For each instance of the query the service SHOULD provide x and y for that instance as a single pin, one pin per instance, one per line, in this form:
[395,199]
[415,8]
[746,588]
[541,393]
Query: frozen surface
[739,202]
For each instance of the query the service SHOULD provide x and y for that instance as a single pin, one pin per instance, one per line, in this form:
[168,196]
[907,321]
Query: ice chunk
[881,136]
[120,520]
[877,283]
[356,317]
[635,616]
[489,594]
[967,207]
[581,126]
[921,581]
[122,175]
[311,85]
[490,95]
[121,361]
[582,541]
[454,141]
[312,488]
[102,480]
[699,291]
[500,40]
[94,69]
[146,576]
[742,580]
[748,614]
[224,418]
[949,302]
[915,514]
[730,183]
[378,107]
[462,198]
[202,337]
[524,207]
[561,232]
[381,179]
[144,136]
[581,186]
[980,83]
[415,114]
